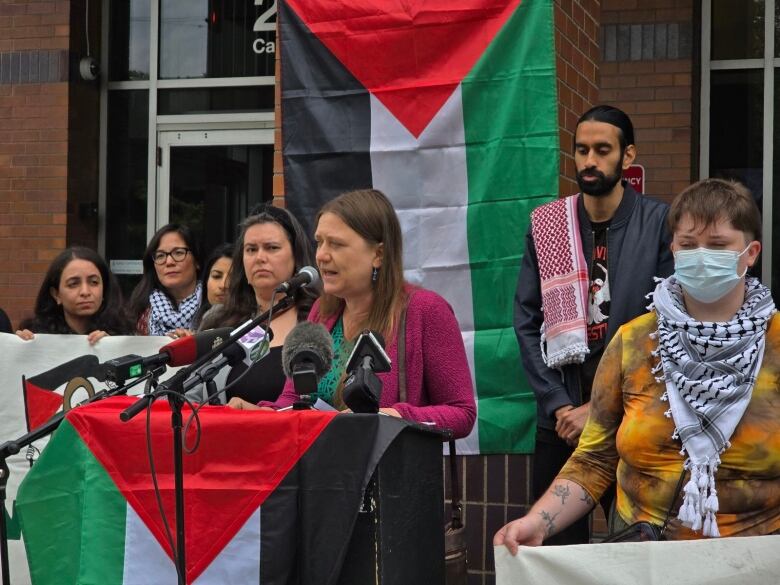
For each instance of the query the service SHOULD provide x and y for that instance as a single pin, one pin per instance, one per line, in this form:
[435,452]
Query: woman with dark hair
[272,247]
[79,295]
[214,279]
[168,297]
[360,258]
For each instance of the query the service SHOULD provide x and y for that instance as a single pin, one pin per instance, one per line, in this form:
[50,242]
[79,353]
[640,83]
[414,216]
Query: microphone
[250,348]
[363,389]
[371,345]
[306,356]
[180,352]
[307,276]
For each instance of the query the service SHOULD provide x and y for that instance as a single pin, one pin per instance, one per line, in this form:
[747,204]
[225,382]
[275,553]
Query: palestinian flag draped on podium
[260,503]
[448,107]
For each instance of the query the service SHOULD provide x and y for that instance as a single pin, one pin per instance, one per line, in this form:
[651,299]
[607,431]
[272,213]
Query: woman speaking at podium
[360,258]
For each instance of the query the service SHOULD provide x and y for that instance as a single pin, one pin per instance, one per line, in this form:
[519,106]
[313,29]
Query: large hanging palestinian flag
[449,107]
[270,498]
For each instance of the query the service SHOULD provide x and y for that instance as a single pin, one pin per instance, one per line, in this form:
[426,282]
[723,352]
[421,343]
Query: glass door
[211,179]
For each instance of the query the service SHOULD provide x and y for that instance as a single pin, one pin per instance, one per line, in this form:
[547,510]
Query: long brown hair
[370,213]
[240,303]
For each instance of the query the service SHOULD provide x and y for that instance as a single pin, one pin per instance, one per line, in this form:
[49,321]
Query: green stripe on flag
[88,532]
[511,125]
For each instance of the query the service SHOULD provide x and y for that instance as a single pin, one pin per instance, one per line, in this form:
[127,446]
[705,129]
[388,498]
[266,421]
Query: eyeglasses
[178,254]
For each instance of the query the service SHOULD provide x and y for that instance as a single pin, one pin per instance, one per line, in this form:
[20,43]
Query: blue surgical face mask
[707,275]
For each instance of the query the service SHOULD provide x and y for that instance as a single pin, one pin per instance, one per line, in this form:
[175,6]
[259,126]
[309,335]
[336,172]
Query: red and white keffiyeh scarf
[564,279]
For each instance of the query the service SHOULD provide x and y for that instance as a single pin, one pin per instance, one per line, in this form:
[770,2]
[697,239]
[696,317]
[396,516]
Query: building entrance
[211,179]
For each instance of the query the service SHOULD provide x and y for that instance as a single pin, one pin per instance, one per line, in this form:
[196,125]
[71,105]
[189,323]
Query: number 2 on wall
[264,22]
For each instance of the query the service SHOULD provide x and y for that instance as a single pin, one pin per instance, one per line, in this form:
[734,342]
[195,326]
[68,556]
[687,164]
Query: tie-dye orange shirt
[627,436]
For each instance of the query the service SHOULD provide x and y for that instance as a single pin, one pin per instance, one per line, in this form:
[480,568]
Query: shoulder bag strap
[457,506]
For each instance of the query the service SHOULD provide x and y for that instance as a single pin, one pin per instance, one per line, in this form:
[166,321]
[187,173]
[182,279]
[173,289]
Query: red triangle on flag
[40,404]
[242,457]
[410,54]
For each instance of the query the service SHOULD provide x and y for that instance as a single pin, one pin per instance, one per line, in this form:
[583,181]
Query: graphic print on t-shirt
[598,294]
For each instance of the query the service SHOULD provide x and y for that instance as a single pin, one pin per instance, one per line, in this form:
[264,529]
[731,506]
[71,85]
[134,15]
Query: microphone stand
[173,389]
[14,446]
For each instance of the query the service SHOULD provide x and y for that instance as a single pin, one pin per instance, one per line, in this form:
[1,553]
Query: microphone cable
[198,433]
[153,471]
[265,347]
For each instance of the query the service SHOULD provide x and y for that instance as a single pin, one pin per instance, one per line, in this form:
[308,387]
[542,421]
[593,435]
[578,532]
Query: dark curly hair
[241,303]
[50,317]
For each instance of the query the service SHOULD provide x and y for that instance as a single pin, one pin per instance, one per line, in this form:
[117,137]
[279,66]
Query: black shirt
[598,305]
[264,381]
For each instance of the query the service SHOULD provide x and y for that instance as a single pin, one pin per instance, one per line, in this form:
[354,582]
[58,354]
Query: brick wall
[34,41]
[646,69]
[576,61]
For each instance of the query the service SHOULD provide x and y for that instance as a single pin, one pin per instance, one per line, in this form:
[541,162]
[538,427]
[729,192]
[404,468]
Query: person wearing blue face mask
[684,410]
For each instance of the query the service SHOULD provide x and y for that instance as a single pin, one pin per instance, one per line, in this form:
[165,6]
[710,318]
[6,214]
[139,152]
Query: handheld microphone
[363,389]
[306,356]
[307,276]
[179,352]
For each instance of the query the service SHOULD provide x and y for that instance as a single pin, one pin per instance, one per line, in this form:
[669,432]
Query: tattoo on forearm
[586,498]
[549,521]
[561,491]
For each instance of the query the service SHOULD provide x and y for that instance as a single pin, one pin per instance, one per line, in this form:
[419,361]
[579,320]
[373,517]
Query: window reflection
[183,38]
[737,29]
[129,22]
[217,38]
[126,177]
[736,127]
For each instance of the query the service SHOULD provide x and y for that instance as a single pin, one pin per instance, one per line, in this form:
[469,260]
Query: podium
[288,498]
[398,536]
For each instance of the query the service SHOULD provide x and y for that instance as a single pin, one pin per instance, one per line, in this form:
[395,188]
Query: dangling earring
[374,274]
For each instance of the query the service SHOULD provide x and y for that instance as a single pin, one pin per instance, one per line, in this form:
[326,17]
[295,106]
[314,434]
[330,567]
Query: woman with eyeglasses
[169,295]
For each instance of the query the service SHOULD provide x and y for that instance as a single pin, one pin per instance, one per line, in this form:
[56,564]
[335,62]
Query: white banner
[28,358]
[750,560]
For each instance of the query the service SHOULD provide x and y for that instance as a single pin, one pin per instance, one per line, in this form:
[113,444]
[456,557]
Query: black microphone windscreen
[370,344]
[310,340]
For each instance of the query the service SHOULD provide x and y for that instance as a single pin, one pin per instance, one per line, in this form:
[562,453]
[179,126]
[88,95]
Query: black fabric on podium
[308,520]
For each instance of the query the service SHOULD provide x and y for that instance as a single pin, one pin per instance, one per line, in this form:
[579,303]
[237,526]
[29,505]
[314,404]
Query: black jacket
[638,244]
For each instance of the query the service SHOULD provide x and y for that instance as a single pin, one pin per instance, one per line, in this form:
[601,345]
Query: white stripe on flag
[239,562]
[145,561]
[147,564]
[426,179]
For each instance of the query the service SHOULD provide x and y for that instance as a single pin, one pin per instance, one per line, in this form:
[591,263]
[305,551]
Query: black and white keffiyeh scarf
[709,370]
[164,317]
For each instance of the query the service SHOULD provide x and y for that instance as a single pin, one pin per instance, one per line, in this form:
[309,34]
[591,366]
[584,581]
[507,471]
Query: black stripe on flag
[307,522]
[326,122]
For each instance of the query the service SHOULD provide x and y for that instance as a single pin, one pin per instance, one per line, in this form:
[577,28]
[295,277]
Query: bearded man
[607,233]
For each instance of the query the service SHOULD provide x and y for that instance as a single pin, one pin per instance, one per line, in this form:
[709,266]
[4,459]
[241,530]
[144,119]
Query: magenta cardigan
[438,380]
